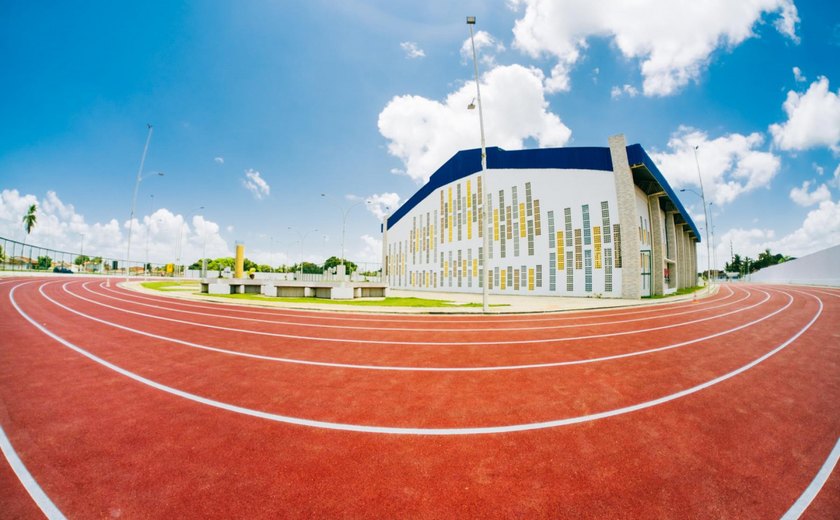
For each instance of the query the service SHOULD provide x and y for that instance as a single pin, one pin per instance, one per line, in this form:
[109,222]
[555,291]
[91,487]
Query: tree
[308,268]
[334,261]
[44,263]
[29,221]
[81,260]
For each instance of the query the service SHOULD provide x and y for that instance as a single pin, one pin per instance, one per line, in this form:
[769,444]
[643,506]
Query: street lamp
[302,237]
[82,252]
[140,177]
[484,255]
[345,213]
[712,242]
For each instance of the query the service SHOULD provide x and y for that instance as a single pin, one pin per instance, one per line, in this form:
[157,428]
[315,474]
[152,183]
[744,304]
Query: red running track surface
[119,404]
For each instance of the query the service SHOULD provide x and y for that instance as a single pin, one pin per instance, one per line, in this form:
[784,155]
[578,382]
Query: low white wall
[820,268]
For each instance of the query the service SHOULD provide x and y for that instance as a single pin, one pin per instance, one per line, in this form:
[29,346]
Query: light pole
[140,177]
[712,242]
[345,213]
[707,225]
[706,214]
[302,237]
[82,252]
[204,245]
[484,255]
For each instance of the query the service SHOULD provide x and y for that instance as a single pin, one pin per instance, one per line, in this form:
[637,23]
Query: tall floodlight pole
[706,216]
[484,291]
[82,251]
[134,198]
[712,242]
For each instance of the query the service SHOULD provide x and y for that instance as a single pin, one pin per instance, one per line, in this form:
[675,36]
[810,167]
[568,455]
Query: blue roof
[467,162]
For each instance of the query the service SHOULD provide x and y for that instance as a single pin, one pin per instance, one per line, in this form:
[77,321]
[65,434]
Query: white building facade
[564,222]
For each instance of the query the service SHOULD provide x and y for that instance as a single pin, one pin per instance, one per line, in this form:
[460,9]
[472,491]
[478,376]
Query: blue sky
[261,107]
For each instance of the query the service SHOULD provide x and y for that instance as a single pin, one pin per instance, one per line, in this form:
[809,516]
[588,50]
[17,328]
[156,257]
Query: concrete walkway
[500,304]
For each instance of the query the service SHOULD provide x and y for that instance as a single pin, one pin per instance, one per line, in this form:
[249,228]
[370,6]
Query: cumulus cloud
[383,204]
[797,75]
[835,182]
[626,90]
[371,251]
[672,40]
[424,133]
[804,197]
[819,230]
[813,119]
[219,160]
[256,184]
[731,165]
[412,51]
[486,47]
[154,237]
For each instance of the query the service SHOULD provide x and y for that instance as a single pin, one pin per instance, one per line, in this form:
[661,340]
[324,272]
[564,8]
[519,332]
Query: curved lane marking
[392,430]
[441,343]
[408,368]
[316,313]
[490,328]
[29,483]
[815,486]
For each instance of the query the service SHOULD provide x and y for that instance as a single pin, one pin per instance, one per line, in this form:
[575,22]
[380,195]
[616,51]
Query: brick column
[628,217]
[657,246]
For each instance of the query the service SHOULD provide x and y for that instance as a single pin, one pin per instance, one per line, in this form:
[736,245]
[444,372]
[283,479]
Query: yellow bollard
[239,267]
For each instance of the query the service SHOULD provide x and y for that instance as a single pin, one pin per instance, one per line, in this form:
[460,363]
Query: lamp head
[470,20]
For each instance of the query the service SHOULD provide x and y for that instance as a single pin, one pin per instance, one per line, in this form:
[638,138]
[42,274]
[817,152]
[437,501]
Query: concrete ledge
[295,289]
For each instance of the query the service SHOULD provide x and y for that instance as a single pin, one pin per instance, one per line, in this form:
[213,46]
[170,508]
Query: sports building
[593,221]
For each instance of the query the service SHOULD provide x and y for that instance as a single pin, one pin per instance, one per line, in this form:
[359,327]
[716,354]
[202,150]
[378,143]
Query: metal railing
[21,256]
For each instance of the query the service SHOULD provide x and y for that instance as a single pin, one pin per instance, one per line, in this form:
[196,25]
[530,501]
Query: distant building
[561,221]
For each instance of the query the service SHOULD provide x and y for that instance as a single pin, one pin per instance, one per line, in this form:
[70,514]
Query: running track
[115,404]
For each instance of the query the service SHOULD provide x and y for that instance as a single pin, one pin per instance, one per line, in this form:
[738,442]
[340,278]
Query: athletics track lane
[704,457]
[414,399]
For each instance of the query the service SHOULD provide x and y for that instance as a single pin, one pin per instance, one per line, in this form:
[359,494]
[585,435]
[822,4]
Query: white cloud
[835,182]
[412,51]
[819,230]
[382,204]
[673,40]
[797,75]
[256,184]
[154,237]
[731,164]
[424,133]
[219,160]
[803,197]
[486,47]
[370,253]
[627,90]
[813,119]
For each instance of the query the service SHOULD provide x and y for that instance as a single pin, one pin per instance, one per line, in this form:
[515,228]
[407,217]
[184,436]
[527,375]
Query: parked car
[62,270]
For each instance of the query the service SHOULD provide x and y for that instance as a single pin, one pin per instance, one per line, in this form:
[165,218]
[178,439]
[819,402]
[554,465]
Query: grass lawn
[680,292]
[382,302]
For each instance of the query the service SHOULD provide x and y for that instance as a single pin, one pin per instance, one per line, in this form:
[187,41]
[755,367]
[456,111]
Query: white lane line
[490,328]
[438,318]
[392,430]
[836,295]
[409,368]
[26,479]
[40,498]
[433,343]
[815,486]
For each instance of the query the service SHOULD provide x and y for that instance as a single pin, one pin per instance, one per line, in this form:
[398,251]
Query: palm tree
[29,221]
